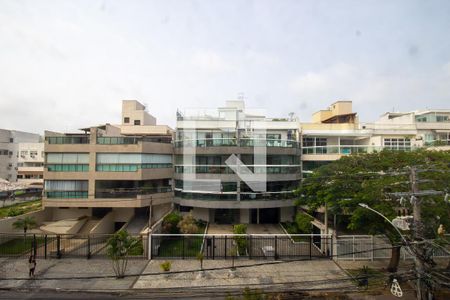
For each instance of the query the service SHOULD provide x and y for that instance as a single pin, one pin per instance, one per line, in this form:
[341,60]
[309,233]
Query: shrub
[188,225]
[165,266]
[119,246]
[241,241]
[170,223]
[15,211]
[303,222]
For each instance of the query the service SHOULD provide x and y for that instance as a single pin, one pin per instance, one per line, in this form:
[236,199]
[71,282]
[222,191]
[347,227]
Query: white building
[10,141]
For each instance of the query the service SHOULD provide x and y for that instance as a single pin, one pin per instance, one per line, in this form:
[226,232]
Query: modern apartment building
[12,143]
[235,165]
[111,174]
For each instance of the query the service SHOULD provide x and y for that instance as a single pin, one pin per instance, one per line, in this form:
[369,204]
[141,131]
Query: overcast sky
[68,64]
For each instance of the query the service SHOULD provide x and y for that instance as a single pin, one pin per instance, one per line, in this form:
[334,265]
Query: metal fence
[62,245]
[252,246]
[373,247]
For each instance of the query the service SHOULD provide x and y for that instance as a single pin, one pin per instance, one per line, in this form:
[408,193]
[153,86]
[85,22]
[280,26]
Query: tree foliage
[303,222]
[370,179]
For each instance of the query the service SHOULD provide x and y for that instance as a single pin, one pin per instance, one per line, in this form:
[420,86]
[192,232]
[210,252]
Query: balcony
[58,140]
[233,142]
[66,194]
[132,140]
[268,196]
[120,193]
[220,169]
[350,149]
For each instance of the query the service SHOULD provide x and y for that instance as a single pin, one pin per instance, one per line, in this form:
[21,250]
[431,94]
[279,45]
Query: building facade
[115,175]
[212,145]
[12,142]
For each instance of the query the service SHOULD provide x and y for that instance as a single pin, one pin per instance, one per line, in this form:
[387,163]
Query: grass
[173,246]
[19,245]
[26,207]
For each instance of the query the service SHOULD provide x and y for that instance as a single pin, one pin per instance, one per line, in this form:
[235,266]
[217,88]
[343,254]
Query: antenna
[241,96]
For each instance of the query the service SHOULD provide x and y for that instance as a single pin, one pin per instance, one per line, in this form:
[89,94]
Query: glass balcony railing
[83,139]
[231,142]
[233,196]
[226,170]
[130,140]
[131,192]
[347,150]
[129,167]
[66,194]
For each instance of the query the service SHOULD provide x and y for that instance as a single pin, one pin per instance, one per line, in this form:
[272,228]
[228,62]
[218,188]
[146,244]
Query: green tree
[119,246]
[303,222]
[25,224]
[371,179]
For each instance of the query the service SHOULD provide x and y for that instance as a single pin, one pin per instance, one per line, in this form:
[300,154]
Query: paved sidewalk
[67,274]
[323,274]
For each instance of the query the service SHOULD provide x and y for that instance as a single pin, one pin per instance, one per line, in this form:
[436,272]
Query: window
[397,144]
[126,120]
[137,122]
[441,118]
[23,153]
[33,153]
[11,140]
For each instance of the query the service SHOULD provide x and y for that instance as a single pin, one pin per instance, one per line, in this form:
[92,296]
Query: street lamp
[384,217]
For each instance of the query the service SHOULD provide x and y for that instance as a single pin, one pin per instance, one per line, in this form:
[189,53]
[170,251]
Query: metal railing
[251,246]
[131,192]
[63,245]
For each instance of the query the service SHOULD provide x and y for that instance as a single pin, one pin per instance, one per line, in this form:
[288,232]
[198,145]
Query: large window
[66,188]
[131,162]
[67,162]
[397,143]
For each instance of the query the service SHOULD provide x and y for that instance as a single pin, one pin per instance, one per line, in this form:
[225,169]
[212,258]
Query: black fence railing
[252,246]
[62,245]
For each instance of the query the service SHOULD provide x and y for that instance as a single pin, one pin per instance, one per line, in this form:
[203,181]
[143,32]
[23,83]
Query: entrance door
[269,215]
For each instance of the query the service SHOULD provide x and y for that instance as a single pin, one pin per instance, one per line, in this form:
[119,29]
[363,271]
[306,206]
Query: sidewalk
[67,274]
[98,275]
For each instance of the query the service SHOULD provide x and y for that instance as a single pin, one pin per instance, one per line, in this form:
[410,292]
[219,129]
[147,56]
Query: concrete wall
[40,216]
[201,213]
[106,224]
[158,211]
[123,214]
[244,216]
[70,213]
[287,214]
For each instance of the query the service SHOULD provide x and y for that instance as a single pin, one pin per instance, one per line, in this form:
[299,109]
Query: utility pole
[422,289]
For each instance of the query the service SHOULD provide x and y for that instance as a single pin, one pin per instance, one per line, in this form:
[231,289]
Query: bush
[303,222]
[15,211]
[188,225]
[241,241]
[170,223]
[165,266]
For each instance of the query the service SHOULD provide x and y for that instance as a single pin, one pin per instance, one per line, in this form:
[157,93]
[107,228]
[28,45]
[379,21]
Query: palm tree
[25,224]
